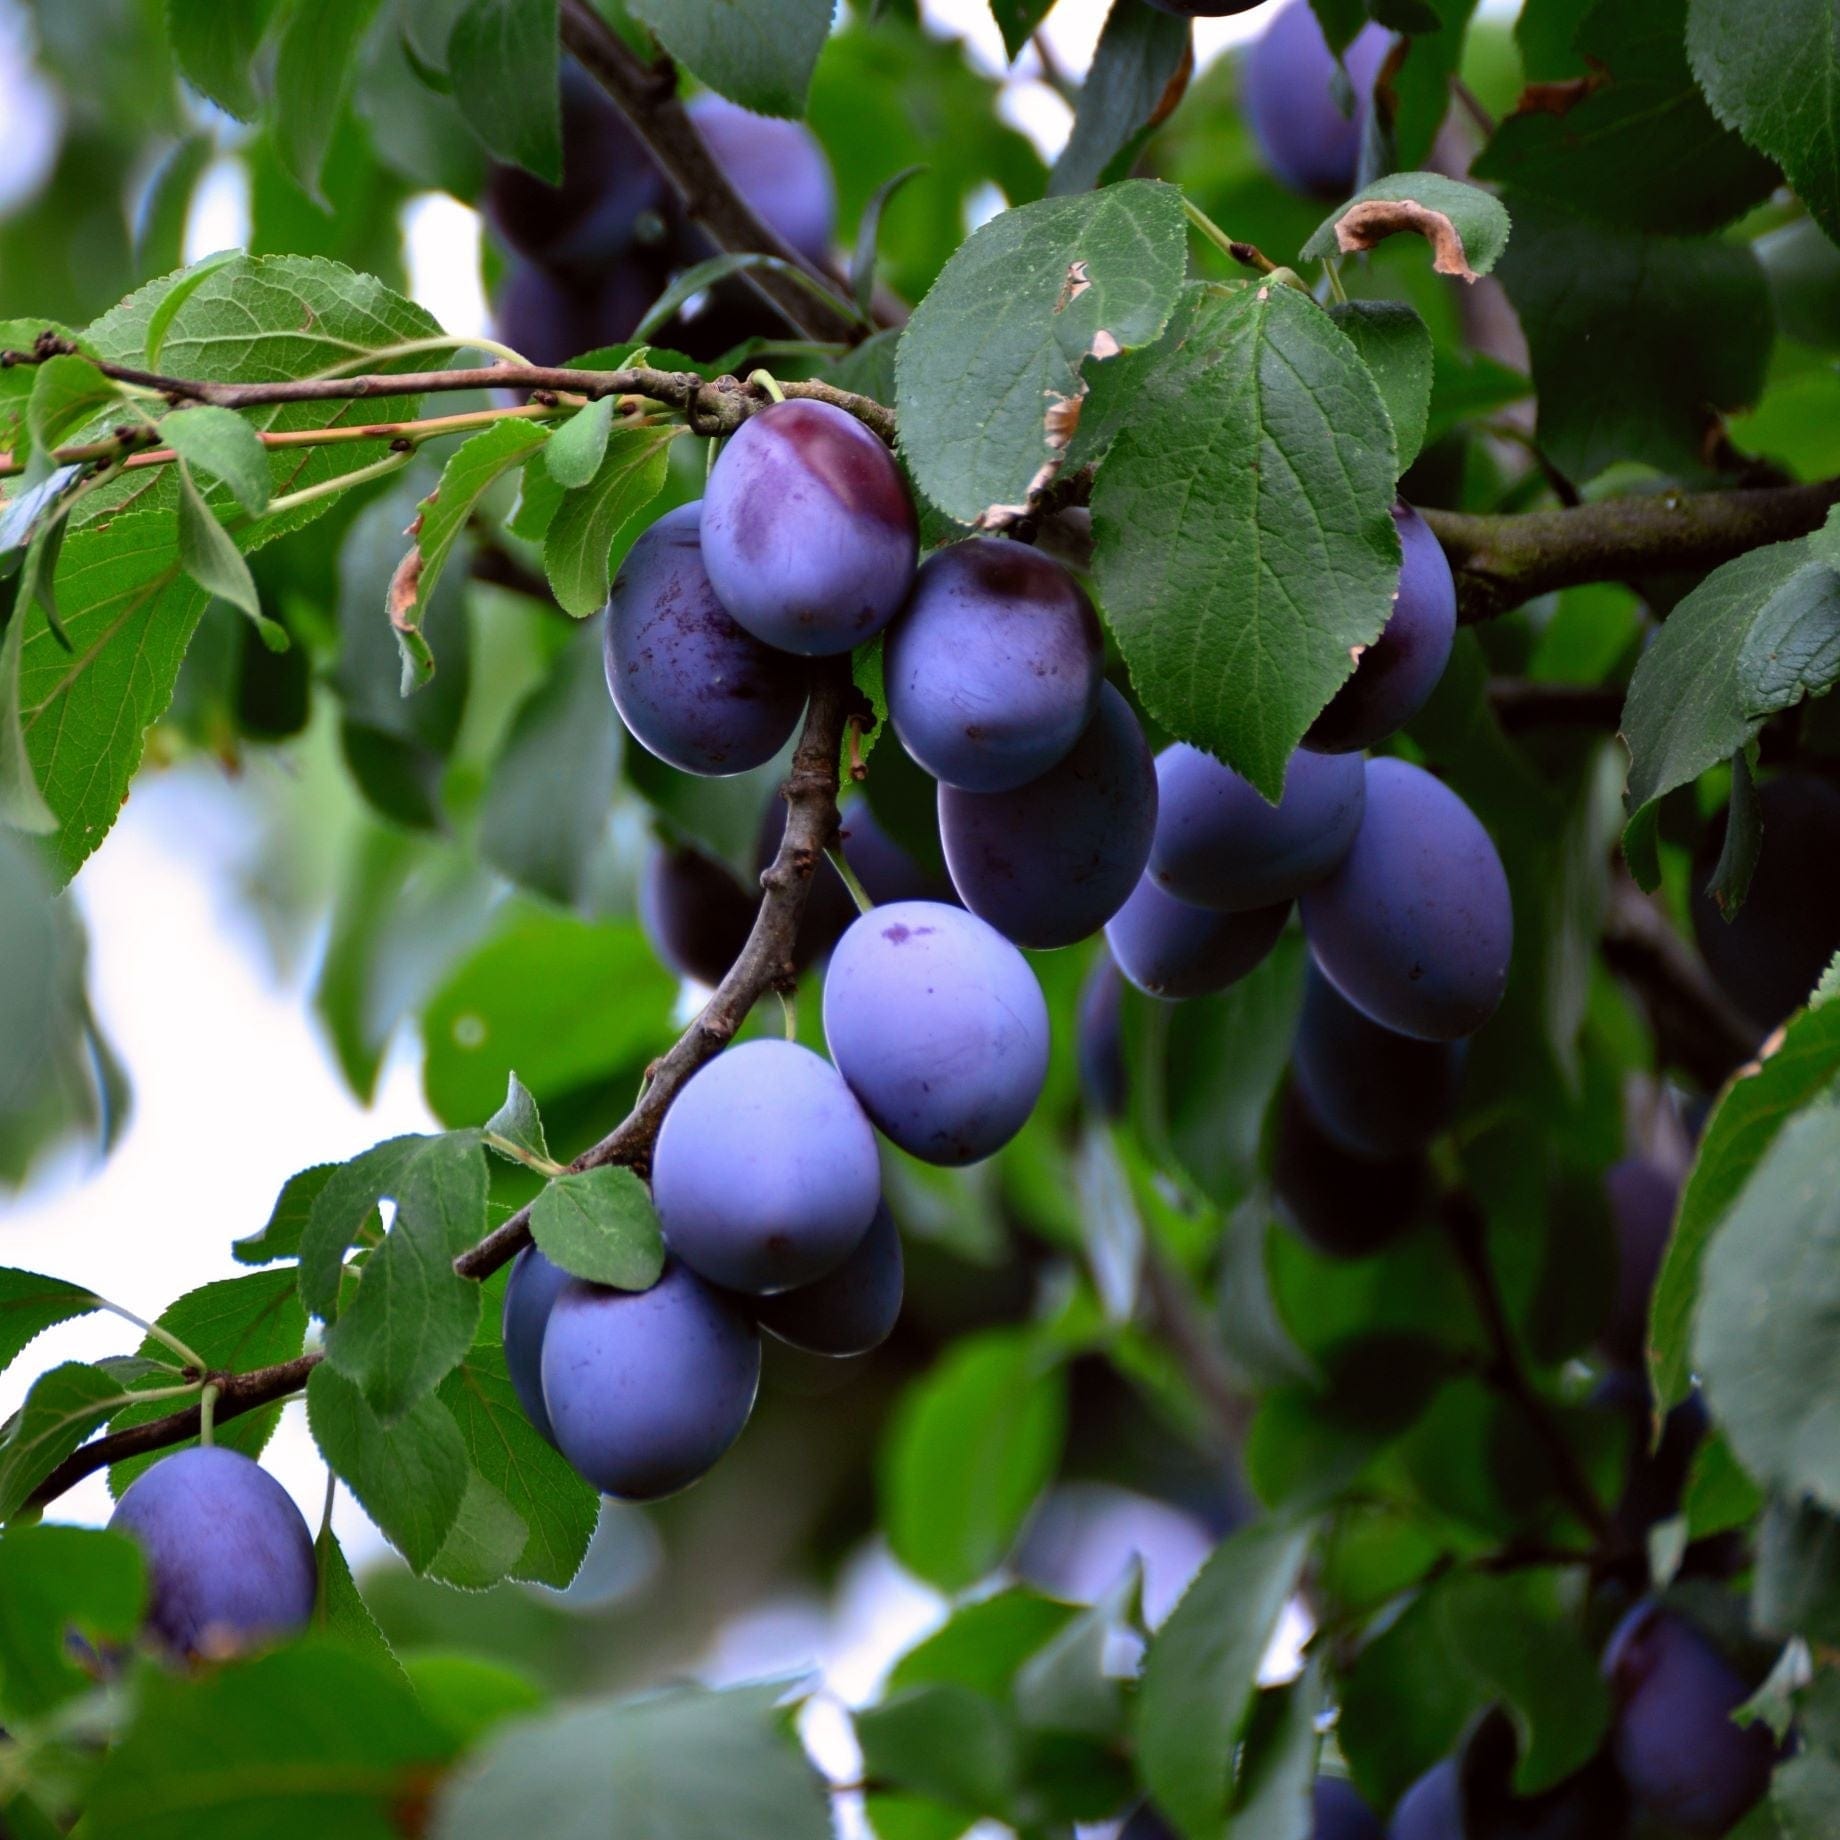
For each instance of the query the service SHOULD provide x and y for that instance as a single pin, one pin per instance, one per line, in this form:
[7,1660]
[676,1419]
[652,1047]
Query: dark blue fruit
[766,1174]
[887,869]
[646,1389]
[1684,1760]
[1375,1092]
[937,1023]
[777,167]
[850,1311]
[994,667]
[1395,676]
[1432,1809]
[1052,861]
[530,1291]
[1415,926]
[549,319]
[695,915]
[229,1557]
[1100,1040]
[1218,844]
[809,534]
[1346,1206]
[1642,1196]
[1168,948]
[1340,1814]
[608,182]
[1289,97]
[694,688]
[1772,952]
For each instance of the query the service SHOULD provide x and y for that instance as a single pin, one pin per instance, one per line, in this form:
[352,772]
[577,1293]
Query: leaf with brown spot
[1466,227]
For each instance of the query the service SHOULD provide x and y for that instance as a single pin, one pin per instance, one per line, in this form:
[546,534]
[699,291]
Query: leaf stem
[1247,255]
[207,1415]
[765,380]
[188,1355]
[841,864]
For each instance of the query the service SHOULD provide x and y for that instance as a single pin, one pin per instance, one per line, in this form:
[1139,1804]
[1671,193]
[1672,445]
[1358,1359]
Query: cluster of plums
[591,255]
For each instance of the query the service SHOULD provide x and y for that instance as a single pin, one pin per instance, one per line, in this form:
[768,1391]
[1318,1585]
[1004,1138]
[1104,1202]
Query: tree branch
[647,95]
[766,963]
[1502,562]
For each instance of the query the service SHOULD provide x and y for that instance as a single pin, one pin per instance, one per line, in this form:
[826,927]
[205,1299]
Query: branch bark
[647,95]
[766,963]
[1503,562]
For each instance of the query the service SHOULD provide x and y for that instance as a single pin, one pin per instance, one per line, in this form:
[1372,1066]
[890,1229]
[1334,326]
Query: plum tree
[1687,1763]
[1170,948]
[1395,676]
[808,531]
[766,1175]
[1642,1196]
[691,685]
[530,1292]
[939,1027]
[646,1389]
[1345,1205]
[1770,954]
[993,667]
[609,181]
[1414,927]
[1048,863]
[851,1309]
[778,167]
[1219,845]
[1100,1038]
[230,1560]
[1289,93]
[695,913]
[1376,1092]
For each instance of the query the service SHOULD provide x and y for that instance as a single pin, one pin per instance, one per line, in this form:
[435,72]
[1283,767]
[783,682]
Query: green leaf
[1763,1341]
[688,1761]
[1517,1637]
[279,1238]
[159,234]
[339,1611]
[1748,1119]
[759,53]
[1277,1772]
[1466,227]
[183,285]
[502,57]
[946,1743]
[1797,1587]
[1631,141]
[235,1325]
[483,1543]
[601,1226]
[53,1581]
[1131,82]
[221,443]
[62,1409]
[468,1697]
[215,42]
[984,1643]
[319,46]
[973,1444]
[1638,342]
[409,1477]
[31,1304]
[544,821]
[1017,20]
[717,268]
[1772,73]
[1756,636]
[1202,1669]
[412,1318]
[208,556]
[341,1209]
[862,259]
[310,1740]
[577,448]
[22,805]
[1067,1685]
[1395,345]
[515,1130]
[1243,516]
[989,370]
[68,393]
[563,1002]
[558,1509]
[578,550]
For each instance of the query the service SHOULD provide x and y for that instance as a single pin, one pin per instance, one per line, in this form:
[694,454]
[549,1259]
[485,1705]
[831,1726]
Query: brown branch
[1522,703]
[766,963]
[1503,562]
[1463,1224]
[712,407]
[647,95]
[1696,1025]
